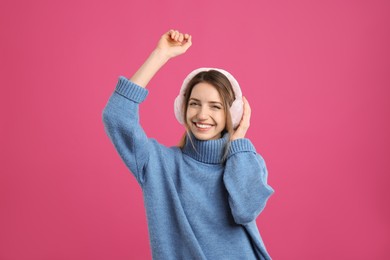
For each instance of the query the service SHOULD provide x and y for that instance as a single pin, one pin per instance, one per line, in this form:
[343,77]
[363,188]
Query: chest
[197,181]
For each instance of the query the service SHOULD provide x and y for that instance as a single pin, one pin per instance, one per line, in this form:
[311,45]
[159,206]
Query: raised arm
[171,44]
[121,113]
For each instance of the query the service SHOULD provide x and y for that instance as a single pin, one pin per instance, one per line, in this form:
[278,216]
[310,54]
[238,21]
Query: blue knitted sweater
[197,206]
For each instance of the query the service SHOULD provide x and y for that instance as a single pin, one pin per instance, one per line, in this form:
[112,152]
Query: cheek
[221,118]
[189,114]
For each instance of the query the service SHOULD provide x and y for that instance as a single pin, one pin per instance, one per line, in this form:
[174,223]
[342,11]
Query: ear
[236,112]
[179,109]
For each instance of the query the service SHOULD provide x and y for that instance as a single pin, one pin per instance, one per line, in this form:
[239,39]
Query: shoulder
[241,145]
[164,157]
[164,151]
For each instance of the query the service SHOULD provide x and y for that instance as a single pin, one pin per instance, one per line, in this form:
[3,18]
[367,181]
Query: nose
[202,114]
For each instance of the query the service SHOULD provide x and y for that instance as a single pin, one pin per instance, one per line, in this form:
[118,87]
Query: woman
[202,197]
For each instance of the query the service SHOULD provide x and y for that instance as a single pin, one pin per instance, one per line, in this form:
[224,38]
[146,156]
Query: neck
[206,151]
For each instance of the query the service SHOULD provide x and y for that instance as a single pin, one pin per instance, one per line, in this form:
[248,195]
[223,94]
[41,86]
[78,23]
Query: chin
[207,137]
[203,138]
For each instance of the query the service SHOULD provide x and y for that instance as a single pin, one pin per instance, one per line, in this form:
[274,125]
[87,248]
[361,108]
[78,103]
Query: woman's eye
[193,104]
[216,107]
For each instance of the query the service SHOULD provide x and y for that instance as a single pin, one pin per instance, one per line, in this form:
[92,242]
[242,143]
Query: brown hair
[225,90]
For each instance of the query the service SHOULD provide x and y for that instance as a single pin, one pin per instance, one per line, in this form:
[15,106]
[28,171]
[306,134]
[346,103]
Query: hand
[244,123]
[174,43]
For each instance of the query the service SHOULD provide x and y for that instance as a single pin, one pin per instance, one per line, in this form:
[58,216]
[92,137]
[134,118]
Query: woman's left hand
[244,123]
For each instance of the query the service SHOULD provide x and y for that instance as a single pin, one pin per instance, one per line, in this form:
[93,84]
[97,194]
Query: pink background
[316,74]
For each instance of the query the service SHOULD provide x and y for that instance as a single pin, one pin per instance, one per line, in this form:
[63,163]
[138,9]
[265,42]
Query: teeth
[203,126]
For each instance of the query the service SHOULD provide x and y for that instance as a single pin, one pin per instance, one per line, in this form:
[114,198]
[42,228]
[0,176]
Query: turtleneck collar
[209,151]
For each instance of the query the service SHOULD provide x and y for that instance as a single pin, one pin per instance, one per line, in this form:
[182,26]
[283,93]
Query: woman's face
[205,113]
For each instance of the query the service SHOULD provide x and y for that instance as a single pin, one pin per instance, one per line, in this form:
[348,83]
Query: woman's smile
[202,126]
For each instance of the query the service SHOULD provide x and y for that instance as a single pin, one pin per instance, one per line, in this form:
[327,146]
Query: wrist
[160,55]
[241,145]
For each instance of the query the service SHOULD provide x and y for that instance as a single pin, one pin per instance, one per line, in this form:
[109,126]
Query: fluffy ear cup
[236,110]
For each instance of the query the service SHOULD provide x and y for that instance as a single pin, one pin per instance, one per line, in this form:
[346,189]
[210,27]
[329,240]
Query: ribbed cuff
[131,90]
[241,145]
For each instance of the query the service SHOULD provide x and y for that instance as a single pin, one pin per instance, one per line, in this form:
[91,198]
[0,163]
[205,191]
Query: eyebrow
[212,102]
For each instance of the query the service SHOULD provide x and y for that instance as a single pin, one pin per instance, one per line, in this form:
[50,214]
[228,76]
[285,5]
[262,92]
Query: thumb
[188,43]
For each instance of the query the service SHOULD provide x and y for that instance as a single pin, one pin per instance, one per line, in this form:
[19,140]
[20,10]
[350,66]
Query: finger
[181,37]
[247,107]
[177,34]
[170,32]
[188,43]
[245,121]
[186,36]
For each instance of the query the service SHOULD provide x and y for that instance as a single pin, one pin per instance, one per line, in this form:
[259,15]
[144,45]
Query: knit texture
[198,206]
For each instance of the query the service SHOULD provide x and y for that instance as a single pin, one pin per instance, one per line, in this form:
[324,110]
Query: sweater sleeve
[121,123]
[245,178]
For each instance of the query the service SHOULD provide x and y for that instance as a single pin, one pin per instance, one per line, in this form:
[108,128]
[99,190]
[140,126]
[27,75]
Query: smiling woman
[205,116]
[202,198]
